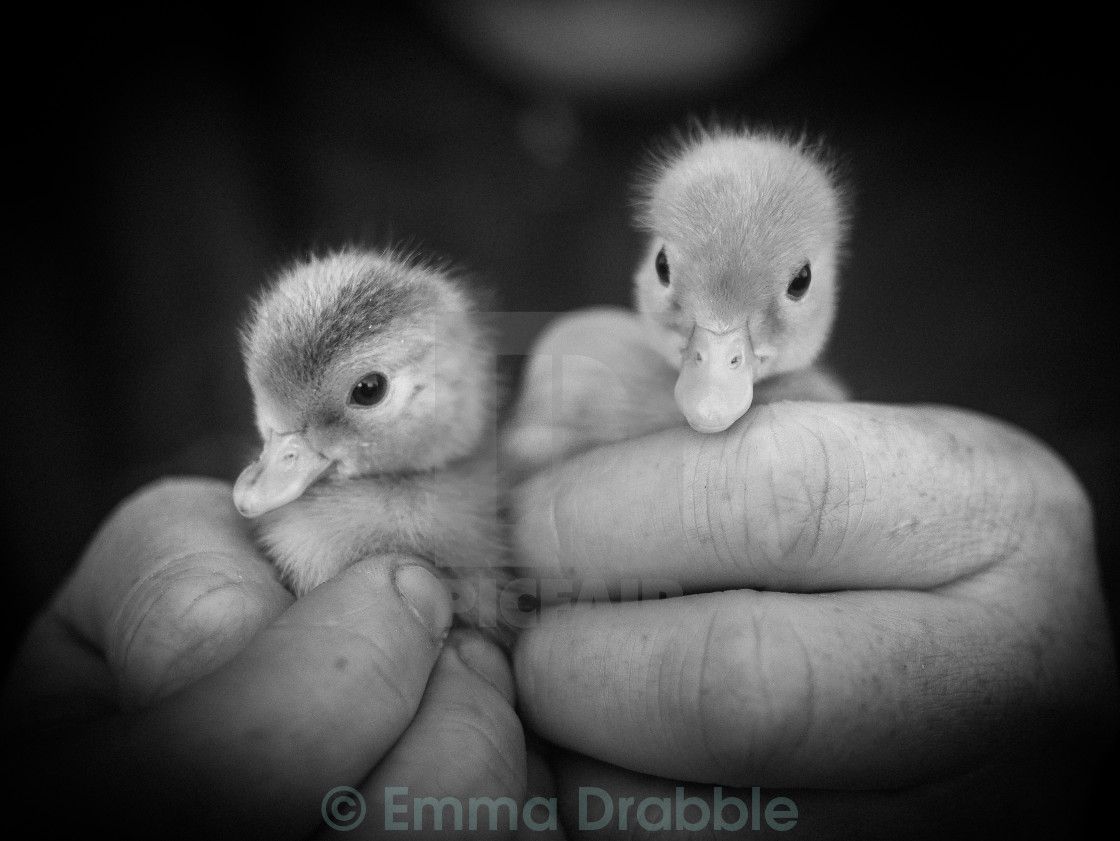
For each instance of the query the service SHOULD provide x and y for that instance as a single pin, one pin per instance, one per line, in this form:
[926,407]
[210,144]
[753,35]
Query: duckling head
[362,363]
[738,281]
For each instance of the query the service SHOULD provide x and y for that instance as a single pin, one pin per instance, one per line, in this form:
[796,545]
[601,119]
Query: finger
[796,497]
[604,801]
[314,701]
[464,749]
[757,688]
[591,379]
[171,587]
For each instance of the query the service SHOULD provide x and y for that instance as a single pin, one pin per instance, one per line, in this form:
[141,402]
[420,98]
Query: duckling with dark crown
[735,297]
[373,379]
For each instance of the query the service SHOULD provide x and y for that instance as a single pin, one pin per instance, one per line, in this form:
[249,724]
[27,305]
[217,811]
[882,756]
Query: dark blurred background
[164,166]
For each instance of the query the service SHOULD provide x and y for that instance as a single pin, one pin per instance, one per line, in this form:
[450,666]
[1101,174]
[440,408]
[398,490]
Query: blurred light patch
[622,48]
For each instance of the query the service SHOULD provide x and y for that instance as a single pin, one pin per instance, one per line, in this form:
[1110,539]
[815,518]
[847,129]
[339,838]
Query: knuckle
[754,705]
[801,481]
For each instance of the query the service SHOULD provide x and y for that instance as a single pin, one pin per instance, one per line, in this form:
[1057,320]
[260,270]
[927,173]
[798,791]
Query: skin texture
[890,614]
[180,687]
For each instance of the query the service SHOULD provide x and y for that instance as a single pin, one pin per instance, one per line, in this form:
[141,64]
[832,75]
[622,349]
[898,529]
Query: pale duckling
[373,377]
[738,283]
[735,294]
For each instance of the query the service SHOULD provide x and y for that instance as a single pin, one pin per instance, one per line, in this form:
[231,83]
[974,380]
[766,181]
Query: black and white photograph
[556,419]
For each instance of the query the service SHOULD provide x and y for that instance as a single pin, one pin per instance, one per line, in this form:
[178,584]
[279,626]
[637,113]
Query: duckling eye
[369,390]
[800,283]
[661,263]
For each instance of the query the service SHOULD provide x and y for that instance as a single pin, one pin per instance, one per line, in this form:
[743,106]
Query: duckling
[372,374]
[735,296]
[738,282]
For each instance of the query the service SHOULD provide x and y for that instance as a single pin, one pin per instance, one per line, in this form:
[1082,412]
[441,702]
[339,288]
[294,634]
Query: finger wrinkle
[858,498]
[704,500]
[724,526]
[166,581]
[780,508]
[817,510]
[176,626]
[805,701]
[751,458]
[837,480]
[752,711]
[793,502]
[786,694]
[704,721]
[723,696]
[462,721]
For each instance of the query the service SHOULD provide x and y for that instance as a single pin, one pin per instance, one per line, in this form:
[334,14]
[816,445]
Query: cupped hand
[892,611]
[173,688]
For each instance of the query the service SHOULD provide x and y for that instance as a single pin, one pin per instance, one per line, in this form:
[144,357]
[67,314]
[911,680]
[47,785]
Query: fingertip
[426,597]
[466,739]
[486,660]
[394,600]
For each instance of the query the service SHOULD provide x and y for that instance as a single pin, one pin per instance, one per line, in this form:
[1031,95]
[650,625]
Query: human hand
[891,614]
[593,378]
[173,687]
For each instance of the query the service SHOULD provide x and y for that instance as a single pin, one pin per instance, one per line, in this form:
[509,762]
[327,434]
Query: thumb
[314,701]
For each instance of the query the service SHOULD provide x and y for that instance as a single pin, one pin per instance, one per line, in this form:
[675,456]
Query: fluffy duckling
[735,297]
[373,380]
[738,281]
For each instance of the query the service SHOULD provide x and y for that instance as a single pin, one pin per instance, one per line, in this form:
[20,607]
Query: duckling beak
[716,383]
[287,466]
